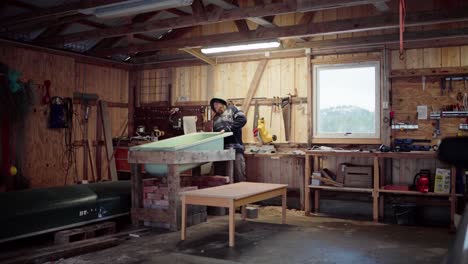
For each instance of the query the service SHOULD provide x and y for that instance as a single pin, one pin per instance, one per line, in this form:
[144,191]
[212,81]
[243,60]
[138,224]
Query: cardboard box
[358,176]
[442,181]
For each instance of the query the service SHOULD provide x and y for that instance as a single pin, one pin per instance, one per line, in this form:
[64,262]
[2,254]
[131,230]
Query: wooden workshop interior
[354,121]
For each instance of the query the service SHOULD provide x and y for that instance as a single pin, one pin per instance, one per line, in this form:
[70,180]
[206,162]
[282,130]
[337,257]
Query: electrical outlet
[385,105]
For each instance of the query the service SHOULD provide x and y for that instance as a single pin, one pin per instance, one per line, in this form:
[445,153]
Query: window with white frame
[347,101]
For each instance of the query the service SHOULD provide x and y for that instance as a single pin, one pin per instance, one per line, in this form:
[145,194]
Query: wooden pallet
[56,252]
[83,233]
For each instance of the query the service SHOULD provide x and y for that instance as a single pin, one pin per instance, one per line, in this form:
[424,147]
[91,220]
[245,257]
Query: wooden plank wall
[43,148]
[110,85]
[282,170]
[231,80]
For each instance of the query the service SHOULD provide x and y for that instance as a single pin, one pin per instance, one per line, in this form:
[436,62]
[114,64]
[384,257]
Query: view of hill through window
[346,100]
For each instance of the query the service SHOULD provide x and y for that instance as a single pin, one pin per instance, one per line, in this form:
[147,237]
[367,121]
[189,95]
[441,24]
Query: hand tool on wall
[442,86]
[286,110]
[86,99]
[256,115]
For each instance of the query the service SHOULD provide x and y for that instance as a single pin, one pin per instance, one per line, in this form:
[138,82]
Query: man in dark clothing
[230,119]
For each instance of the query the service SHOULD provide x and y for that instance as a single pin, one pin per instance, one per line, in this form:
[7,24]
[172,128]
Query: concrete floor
[264,240]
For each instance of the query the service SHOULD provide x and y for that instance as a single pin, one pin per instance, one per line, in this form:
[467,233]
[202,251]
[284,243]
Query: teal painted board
[204,141]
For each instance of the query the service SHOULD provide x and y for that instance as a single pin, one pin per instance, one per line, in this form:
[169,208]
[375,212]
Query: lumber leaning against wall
[44,148]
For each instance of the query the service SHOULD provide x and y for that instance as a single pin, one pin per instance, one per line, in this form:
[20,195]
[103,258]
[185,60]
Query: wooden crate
[358,176]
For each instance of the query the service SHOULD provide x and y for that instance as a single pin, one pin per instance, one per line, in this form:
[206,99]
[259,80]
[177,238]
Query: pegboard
[159,116]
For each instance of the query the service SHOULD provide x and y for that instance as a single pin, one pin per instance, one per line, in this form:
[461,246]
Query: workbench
[232,196]
[173,159]
[377,190]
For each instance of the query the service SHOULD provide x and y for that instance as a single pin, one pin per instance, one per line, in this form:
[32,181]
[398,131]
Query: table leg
[230,171]
[232,227]
[283,213]
[183,222]
[244,212]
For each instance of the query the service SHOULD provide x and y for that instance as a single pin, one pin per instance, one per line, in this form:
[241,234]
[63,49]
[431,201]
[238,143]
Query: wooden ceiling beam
[54,12]
[304,30]
[265,22]
[242,26]
[177,12]
[197,54]
[391,41]
[109,42]
[188,21]
[198,9]
[52,31]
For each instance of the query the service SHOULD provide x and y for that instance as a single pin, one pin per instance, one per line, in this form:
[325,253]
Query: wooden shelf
[341,189]
[416,193]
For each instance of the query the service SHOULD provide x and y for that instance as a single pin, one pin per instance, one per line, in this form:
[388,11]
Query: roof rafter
[187,21]
[54,12]
[304,30]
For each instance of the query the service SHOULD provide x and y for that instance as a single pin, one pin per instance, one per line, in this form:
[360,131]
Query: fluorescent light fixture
[241,47]
[134,7]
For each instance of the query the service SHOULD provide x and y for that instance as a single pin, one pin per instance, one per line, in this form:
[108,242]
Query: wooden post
[381,184]
[232,223]
[306,185]
[309,98]
[284,205]
[316,192]
[137,190]
[106,125]
[302,186]
[316,201]
[184,219]
[375,192]
[85,146]
[453,197]
[98,145]
[173,180]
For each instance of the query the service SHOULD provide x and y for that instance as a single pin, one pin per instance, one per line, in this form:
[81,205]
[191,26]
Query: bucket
[405,213]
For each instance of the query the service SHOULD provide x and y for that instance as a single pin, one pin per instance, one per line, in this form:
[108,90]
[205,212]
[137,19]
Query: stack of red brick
[157,197]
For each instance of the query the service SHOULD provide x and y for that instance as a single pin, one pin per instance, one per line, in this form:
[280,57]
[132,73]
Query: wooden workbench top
[236,191]
[378,154]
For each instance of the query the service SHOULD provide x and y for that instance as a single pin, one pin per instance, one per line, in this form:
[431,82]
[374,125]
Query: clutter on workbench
[408,144]
[267,149]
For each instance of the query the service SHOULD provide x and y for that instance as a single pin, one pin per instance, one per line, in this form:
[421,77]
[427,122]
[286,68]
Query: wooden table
[232,196]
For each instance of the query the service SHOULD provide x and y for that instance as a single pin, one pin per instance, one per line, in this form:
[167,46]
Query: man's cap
[217,100]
